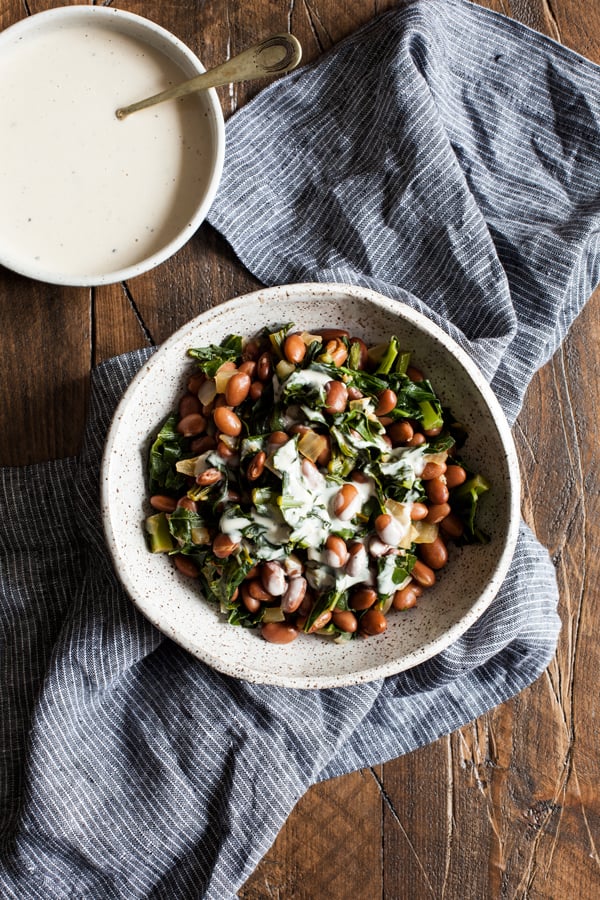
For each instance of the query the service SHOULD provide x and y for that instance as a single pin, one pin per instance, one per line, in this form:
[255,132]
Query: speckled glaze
[175,605]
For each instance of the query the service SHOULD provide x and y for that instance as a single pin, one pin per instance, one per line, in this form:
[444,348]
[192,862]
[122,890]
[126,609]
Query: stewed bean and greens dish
[310,483]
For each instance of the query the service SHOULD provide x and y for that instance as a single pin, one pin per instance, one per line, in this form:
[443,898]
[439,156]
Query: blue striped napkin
[445,151]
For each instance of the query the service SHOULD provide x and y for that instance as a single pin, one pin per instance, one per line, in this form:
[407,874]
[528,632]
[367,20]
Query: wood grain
[509,805]
[44,364]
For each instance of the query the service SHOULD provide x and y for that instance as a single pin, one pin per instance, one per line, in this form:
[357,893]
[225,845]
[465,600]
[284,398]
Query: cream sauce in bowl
[88,198]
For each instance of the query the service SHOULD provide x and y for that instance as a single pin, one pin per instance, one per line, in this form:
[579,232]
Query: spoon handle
[273,56]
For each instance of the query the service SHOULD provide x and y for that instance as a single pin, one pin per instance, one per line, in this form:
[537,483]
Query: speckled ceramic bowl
[175,605]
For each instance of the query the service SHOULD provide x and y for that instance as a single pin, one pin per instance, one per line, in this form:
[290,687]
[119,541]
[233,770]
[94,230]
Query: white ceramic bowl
[88,199]
[174,605]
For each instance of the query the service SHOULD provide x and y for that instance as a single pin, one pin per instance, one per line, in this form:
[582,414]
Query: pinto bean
[279,632]
[336,349]
[255,589]
[277,439]
[227,366]
[237,388]
[311,473]
[415,374]
[163,503]
[249,367]
[346,502]
[407,596]
[227,421]
[195,382]
[432,470]
[251,350]
[294,594]
[436,513]
[419,511]
[186,566]
[336,552]
[354,393]
[357,558]
[325,454]
[306,606]
[329,334]
[452,526]
[345,620]
[437,490]
[435,554]
[373,622]
[298,428]
[292,566]
[187,503]
[423,574]
[388,529]
[202,444]
[191,425]
[387,401]
[273,578]
[294,348]
[223,546]
[188,405]
[455,475]
[257,466]
[226,452]
[378,548]
[320,622]
[400,432]
[209,476]
[336,397]
[264,367]
[251,603]
[362,598]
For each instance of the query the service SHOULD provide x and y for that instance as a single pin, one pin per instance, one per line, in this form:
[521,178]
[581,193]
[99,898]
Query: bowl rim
[239,669]
[114,14]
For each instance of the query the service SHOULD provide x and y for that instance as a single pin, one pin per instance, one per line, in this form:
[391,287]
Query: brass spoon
[273,56]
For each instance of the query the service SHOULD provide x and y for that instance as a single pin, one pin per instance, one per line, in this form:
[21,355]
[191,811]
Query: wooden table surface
[509,805]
